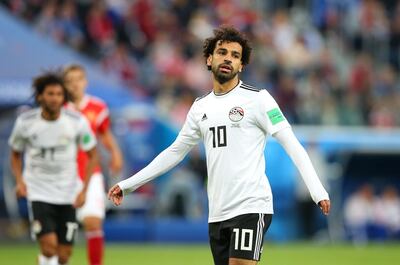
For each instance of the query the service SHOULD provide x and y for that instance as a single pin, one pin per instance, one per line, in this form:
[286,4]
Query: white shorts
[95,199]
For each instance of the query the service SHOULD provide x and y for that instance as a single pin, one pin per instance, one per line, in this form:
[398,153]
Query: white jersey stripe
[260,231]
[257,237]
[262,234]
[30,216]
[102,116]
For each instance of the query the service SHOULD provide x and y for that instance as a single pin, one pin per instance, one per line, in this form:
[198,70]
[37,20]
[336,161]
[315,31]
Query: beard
[51,108]
[222,77]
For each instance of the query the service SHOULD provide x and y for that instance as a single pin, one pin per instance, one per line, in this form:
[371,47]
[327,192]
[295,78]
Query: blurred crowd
[327,62]
[370,215]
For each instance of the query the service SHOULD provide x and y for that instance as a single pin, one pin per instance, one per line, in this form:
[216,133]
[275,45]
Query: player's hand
[325,206]
[115,195]
[80,199]
[20,190]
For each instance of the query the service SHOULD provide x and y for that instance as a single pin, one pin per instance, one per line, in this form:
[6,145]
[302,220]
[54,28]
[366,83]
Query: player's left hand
[325,206]
[116,195]
[80,200]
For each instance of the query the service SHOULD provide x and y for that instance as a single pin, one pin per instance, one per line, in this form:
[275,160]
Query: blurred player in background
[49,136]
[95,110]
[233,121]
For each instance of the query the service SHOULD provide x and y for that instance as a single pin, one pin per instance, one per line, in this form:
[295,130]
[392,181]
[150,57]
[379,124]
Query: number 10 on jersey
[219,136]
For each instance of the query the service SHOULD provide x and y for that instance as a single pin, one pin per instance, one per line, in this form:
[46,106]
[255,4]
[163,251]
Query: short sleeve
[270,116]
[103,120]
[86,138]
[17,141]
[190,132]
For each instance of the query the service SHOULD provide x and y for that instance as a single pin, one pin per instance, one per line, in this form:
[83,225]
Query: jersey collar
[229,92]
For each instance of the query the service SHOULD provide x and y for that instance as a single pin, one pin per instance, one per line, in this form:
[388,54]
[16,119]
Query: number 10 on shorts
[246,236]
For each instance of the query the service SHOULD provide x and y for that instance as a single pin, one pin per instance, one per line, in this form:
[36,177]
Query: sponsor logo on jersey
[236,114]
[204,117]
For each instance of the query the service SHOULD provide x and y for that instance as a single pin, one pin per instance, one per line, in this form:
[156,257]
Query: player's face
[226,61]
[76,82]
[52,98]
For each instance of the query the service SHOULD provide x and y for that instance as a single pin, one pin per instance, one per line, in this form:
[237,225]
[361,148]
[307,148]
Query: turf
[283,254]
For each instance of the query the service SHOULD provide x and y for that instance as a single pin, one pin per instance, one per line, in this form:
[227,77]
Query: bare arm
[16,168]
[109,142]
[92,162]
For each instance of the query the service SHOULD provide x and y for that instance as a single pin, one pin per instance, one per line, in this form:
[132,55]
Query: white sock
[43,260]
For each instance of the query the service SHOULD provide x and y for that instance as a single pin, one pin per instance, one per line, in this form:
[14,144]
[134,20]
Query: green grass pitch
[281,254]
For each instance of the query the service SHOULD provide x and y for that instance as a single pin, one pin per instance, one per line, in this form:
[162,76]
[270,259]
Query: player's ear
[85,82]
[38,99]
[209,60]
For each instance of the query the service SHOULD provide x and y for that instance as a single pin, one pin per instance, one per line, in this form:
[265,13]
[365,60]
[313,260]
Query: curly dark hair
[229,34]
[48,78]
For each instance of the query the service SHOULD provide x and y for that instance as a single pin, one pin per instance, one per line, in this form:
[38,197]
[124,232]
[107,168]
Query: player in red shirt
[91,215]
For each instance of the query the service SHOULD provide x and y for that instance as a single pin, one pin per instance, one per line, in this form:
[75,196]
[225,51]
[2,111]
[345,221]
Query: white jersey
[50,149]
[234,128]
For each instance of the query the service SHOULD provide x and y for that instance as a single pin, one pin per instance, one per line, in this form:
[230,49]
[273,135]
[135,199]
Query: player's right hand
[115,195]
[20,189]
[80,200]
[116,165]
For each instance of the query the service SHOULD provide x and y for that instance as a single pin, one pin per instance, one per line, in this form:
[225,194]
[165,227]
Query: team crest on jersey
[236,114]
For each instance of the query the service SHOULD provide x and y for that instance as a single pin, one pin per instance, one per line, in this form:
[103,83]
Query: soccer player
[233,121]
[91,215]
[49,137]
